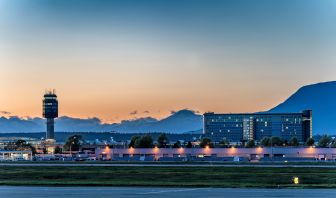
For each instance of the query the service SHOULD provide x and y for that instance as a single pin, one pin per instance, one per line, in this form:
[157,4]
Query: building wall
[289,152]
[15,155]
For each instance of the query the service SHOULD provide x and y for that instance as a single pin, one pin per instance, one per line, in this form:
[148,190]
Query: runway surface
[142,192]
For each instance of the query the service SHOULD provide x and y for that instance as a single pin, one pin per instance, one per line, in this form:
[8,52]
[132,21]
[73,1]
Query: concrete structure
[15,155]
[255,126]
[50,112]
[219,154]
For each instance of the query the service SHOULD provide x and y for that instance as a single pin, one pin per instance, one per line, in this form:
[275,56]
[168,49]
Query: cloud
[5,112]
[146,111]
[186,109]
[134,112]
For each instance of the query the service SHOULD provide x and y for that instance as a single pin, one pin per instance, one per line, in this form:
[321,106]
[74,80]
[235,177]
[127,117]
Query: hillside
[321,98]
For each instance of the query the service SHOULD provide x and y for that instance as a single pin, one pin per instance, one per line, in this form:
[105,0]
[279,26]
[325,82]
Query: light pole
[70,148]
[72,142]
[271,148]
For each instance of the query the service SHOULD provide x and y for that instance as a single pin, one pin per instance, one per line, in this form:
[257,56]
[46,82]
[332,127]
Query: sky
[126,59]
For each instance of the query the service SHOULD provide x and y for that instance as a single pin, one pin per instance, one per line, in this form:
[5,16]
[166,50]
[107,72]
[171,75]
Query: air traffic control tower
[50,112]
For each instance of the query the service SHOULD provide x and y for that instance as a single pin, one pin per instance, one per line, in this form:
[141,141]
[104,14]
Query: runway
[142,192]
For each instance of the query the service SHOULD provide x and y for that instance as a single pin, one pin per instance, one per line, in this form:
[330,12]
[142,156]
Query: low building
[6,155]
[218,154]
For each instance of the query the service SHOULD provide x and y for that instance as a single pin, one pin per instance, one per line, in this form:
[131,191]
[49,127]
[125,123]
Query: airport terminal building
[254,126]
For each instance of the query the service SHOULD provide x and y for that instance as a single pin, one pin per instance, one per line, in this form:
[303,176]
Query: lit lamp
[156,149]
[296,180]
[107,149]
[311,150]
[181,150]
[131,150]
[232,150]
[207,150]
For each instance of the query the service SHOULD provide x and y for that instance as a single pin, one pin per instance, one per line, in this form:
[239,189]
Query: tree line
[146,141]
[75,142]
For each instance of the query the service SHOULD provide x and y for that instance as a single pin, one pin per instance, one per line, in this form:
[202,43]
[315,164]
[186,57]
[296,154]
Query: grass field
[170,176]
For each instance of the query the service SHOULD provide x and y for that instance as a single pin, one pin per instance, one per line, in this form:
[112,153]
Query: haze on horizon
[124,59]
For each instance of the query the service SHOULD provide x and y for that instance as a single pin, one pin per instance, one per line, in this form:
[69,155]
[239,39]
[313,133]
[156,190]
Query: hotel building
[254,126]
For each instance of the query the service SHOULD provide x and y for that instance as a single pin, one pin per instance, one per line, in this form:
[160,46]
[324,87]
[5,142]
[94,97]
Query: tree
[23,145]
[276,141]
[243,142]
[189,145]
[224,143]
[293,142]
[58,150]
[250,144]
[206,142]
[145,141]
[333,143]
[265,141]
[324,141]
[73,143]
[162,140]
[33,149]
[133,140]
[310,142]
[177,144]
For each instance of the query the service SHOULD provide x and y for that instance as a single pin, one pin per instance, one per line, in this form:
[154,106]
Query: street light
[73,142]
[70,148]
[271,148]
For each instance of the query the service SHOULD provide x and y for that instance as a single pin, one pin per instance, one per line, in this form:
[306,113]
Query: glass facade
[50,106]
[244,127]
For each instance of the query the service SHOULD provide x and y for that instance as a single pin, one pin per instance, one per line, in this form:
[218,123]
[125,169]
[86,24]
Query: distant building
[254,126]
[6,155]
[9,143]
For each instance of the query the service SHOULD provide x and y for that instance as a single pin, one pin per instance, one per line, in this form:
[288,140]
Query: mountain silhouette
[179,122]
[321,98]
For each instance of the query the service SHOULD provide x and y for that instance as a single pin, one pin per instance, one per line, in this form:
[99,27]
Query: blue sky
[158,56]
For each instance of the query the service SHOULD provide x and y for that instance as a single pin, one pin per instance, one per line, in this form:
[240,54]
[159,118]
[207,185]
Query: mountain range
[179,122]
[320,97]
